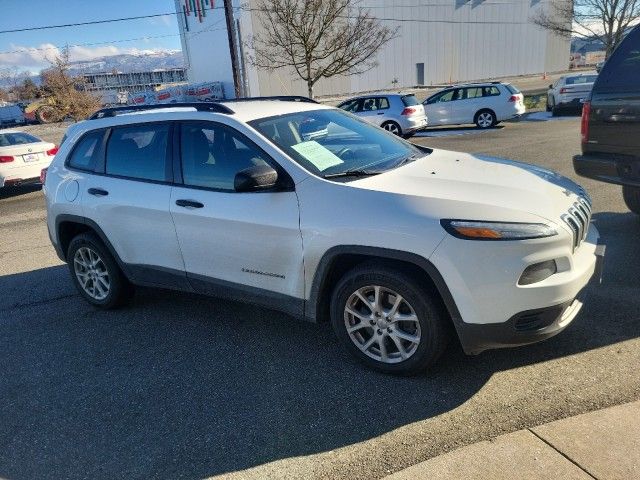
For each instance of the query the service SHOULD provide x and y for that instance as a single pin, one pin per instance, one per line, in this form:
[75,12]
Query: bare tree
[65,94]
[317,38]
[606,20]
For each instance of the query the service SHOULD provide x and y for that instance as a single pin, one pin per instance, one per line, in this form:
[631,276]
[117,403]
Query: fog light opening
[538,272]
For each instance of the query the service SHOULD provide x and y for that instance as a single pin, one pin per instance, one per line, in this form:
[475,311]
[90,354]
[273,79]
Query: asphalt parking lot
[182,386]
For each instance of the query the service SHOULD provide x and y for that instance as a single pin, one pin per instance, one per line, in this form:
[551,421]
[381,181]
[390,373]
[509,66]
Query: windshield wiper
[352,173]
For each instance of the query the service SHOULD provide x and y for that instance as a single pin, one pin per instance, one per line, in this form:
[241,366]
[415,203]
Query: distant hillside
[130,63]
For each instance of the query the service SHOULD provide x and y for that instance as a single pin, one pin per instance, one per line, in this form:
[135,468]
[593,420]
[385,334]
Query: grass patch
[535,102]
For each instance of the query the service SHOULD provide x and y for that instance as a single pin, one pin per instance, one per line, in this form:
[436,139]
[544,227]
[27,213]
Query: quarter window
[138,151]
[213,154]
[490,91]
[82,155]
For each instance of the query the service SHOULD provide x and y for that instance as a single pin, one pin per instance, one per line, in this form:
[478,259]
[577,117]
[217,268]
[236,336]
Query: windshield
[332,142]
[16,138]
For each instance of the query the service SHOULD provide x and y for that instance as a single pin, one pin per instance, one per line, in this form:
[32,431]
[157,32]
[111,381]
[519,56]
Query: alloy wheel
[485,120]
[382,324]
[91,273]
[392,127]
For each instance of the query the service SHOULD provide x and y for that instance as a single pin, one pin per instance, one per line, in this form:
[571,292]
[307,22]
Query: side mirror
[259,177]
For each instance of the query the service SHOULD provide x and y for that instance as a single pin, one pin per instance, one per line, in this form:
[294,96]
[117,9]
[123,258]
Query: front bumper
[526,327]
[619,170]
[492,310]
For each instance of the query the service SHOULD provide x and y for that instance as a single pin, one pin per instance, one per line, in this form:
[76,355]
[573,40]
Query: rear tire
[631,197]
[392,127]
[96,274]
[403,343]
[46,115]
[485,119]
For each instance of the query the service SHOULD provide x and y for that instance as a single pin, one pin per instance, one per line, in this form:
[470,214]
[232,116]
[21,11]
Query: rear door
[615,102]
[129,199]
[249,240]
[468,103]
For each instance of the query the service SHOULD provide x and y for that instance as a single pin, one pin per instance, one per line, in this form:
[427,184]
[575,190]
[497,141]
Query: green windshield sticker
[321,157]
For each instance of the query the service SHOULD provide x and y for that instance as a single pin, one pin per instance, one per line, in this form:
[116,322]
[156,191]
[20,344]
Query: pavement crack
[37,302]
[591,475]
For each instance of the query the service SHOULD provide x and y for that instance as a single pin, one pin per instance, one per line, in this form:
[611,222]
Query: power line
[155,15]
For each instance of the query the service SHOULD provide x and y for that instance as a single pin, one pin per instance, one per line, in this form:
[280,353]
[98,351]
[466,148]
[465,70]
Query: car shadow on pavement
[178,385]
[10,192]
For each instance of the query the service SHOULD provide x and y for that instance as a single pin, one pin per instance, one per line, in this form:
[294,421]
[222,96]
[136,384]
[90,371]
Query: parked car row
[482,104]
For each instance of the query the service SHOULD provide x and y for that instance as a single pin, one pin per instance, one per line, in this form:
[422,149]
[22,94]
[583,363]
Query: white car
[22,157]
[398,113]
[396,244]
[485,104]
[569,92]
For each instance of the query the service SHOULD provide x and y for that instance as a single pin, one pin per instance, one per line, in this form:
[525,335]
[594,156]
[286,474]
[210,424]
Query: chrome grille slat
[578,218]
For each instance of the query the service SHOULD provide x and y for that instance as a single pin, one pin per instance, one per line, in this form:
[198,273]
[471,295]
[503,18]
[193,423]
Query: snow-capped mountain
[129,63]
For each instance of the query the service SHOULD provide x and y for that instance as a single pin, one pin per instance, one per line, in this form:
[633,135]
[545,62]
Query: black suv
[611,123]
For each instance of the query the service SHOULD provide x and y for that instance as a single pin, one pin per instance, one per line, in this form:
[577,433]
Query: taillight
[514,98]
[53,151]
[408,111]
[563,90]
[584,124]
[43,175]
[6,159]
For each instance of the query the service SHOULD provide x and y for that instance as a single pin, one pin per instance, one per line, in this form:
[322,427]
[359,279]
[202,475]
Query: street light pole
[228,12]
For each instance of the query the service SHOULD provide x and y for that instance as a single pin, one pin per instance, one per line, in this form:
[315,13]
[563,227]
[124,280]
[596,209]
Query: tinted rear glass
[581,79]
[17,138]
[513,90]
[622,70]
[139,151]
[409,100]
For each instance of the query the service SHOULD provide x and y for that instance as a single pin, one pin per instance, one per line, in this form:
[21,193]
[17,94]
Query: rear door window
[138,152]
[473,92]
[492,91]
[622,70]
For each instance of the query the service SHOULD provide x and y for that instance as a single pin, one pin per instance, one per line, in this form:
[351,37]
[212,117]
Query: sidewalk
[603,445]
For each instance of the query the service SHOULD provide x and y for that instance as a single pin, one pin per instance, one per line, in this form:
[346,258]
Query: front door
[245,244]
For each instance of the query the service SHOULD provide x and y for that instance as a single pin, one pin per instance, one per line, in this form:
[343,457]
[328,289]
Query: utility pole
[228,12]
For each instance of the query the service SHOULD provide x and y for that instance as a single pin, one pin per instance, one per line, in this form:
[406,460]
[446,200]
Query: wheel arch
[340,259]
[70,226]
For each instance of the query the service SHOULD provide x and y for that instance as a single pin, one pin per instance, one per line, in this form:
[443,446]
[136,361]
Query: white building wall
[457,40]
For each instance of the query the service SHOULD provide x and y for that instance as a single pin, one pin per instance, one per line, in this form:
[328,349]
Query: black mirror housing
[259,177]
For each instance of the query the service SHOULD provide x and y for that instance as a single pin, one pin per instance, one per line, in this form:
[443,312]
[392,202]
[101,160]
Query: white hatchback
[485,104]
[22,157]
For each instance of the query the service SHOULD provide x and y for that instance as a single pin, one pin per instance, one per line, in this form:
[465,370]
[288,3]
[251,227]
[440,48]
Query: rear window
[512,90]
[17,138]
[409,100]
[580,80]
[622,70]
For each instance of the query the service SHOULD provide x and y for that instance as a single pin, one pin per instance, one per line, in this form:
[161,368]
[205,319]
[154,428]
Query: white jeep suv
[307,209]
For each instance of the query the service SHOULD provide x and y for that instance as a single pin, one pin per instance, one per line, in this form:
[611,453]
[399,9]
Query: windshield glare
[329,142]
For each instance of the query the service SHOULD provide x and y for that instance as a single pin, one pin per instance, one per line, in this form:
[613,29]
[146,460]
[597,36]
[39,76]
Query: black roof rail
[199,106]
[282,98]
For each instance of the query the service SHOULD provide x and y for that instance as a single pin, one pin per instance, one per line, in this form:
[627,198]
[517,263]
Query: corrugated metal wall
[457,40]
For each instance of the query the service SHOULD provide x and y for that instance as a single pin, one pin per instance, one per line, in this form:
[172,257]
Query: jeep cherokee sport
[307,209]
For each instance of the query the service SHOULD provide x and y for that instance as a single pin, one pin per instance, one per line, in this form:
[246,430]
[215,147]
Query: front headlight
[478,230]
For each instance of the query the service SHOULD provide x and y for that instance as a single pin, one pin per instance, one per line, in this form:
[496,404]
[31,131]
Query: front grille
[578,218]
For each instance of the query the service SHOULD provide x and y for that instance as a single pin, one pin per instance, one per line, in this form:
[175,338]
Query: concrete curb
[602,445]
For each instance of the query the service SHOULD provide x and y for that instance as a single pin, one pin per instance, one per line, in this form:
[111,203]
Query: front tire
[392,127]
[485,119]
[631,197]
[388,320]
[96,274]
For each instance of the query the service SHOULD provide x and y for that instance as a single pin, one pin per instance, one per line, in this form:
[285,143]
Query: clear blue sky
[34,46]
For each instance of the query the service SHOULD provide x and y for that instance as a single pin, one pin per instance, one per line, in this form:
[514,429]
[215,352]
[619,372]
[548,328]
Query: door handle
[380,113]
[98,192]
[189,204]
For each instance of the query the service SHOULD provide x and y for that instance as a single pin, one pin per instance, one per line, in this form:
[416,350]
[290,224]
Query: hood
[475,183]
